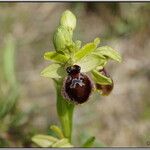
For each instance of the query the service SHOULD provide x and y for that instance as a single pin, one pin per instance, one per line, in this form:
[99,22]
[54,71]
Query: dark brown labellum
[77,86]
[105,89]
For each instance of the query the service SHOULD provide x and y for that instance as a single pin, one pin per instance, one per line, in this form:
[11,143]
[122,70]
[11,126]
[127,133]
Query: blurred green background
[27,101]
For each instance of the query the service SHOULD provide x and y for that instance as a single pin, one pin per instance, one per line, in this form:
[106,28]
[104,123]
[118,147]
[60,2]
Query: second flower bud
[62,39]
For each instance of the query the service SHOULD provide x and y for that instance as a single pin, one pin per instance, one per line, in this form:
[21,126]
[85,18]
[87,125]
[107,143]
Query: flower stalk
[64,110]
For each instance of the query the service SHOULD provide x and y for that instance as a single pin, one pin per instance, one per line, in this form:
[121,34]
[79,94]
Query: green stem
[64,110]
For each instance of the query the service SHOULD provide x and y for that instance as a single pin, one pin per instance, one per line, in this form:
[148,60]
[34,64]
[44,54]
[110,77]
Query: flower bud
[62,38]
[77,86]
[105,89]
[68,20]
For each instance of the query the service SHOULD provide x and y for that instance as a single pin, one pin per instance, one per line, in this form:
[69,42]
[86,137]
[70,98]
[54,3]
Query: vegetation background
[27,101]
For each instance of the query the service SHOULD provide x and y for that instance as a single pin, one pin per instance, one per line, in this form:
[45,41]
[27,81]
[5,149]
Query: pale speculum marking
[76,81]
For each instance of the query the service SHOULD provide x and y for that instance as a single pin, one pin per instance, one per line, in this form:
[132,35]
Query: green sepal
[101,79]
[44,140]
[89,142]
[56,57]
[90,62]
[54,71]
[109,53]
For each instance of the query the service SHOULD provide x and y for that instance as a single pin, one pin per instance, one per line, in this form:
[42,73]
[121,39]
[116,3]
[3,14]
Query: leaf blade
[62,143]
[9,60]
[44,140]
[89,142]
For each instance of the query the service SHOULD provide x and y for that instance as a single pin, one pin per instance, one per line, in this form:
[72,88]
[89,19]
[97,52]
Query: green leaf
[89,142]
[9,60]
[19,119]
[67,145]
[90,62]
[84,51]
[44,140]
[56,57]
[9,103]
[54,71]
[109,52]
[57,130]
[62,143]
[101,79]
